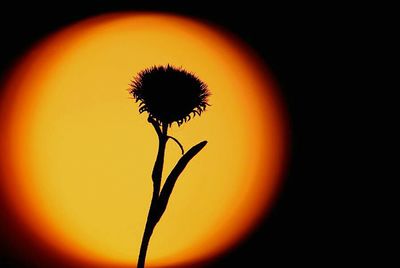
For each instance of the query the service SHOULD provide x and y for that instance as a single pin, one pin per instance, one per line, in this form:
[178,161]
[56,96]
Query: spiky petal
[169,94]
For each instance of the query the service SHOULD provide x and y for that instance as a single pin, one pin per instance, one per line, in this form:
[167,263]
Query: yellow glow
[80,156]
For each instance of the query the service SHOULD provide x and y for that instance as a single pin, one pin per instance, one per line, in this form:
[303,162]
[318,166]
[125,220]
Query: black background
[301,45]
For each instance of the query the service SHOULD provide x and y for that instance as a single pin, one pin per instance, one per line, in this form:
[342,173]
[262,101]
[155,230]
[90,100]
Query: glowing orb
[80,156]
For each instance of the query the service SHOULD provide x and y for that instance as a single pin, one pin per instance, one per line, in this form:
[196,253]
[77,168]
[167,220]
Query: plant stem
[160,197]
[151,217]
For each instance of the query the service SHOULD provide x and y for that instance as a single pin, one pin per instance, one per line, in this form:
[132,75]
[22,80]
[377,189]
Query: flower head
[169,94]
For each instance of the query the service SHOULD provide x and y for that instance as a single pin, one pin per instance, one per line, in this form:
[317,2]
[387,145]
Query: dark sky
[300,44]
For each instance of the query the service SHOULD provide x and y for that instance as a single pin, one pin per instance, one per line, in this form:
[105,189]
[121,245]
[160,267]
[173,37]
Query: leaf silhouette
[173,177]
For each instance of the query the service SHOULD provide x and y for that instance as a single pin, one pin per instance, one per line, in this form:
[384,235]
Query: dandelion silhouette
[168,94]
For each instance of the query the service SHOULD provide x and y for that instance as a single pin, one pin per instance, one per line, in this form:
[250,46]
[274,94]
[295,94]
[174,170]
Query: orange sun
[81,156]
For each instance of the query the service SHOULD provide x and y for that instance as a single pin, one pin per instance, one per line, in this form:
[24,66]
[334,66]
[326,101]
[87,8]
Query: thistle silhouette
[168,94]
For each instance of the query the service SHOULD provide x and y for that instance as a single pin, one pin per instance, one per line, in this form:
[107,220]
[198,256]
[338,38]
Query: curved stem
[155,125]
[159,199]
[156,177]
[180,145]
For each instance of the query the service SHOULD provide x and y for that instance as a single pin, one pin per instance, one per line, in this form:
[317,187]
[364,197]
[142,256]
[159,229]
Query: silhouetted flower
[169,94]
